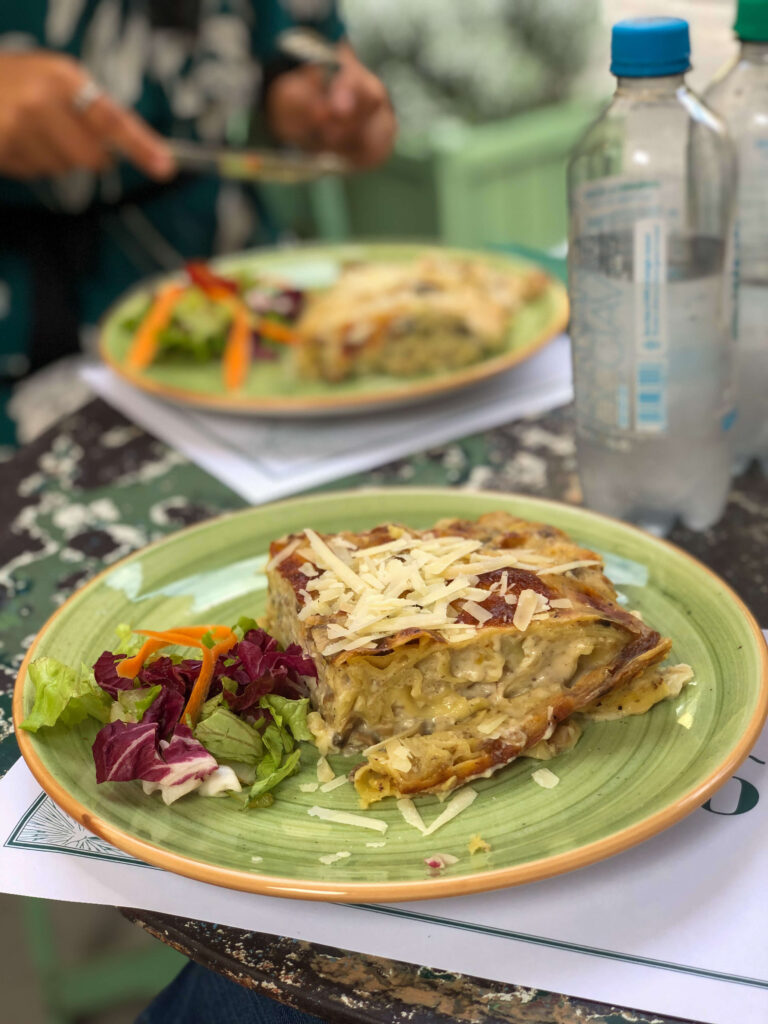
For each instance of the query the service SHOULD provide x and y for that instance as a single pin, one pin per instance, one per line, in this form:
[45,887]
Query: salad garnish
[231,718]
[212,316]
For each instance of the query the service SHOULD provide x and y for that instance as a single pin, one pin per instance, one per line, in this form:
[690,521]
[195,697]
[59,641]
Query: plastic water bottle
[650,195]
[740,95]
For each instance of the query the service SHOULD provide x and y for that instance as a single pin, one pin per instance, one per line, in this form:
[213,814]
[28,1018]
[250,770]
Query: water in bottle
[740,95]
[650,190]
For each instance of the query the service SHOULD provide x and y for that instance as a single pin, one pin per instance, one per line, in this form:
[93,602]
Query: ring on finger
[86,95]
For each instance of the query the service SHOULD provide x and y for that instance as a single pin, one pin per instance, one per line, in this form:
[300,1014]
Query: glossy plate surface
[623,782]
[272,389]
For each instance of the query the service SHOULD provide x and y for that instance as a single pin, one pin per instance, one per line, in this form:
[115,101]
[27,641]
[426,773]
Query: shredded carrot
[184,636]
[203,682]
[144,345]
[237,354]
[128,668]
[276,331]
[192,636]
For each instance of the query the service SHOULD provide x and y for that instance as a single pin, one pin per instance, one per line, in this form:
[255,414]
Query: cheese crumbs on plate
[332,858]
[478,845]
[545,778]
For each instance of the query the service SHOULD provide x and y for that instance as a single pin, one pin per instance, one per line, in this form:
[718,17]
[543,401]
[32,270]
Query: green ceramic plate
[623,782]
[272,389]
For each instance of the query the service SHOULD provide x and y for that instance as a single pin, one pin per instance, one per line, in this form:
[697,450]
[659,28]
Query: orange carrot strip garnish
[186,636]
[203,682]
[194,633]
[130,667]
[237,354]
[144,345]
[276,331]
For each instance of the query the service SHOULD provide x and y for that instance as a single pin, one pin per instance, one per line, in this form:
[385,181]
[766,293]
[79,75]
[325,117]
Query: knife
[305,47]
[256,164]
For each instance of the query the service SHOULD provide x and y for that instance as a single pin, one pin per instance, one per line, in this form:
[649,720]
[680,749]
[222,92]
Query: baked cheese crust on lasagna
[404,319]
[444,654]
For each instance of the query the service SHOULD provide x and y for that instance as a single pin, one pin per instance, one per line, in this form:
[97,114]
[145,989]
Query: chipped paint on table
[353,988]
[95,488]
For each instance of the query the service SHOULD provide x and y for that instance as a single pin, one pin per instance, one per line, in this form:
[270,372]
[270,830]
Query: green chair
[71,991]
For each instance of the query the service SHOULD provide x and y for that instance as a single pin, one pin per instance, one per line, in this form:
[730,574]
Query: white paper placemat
[676,925]
[264,459]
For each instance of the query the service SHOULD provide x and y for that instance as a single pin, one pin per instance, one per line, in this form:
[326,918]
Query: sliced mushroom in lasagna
[409,318]
[444,654]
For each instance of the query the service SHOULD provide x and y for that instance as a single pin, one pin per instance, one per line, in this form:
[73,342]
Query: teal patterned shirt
[192,69]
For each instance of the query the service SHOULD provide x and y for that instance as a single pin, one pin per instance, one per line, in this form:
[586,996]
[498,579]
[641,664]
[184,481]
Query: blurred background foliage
[475,61]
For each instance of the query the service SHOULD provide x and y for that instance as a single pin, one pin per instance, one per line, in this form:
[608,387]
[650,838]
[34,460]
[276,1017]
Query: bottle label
[752,207]
[649,337]
[650,333]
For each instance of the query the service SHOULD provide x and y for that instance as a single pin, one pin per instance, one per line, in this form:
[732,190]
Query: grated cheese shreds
[348,645]
[527,604]
[282,555]
[324,771]
[478,845]
[686,720]
[347,818]
[308,787]
[332,858]
[408,582]
[477,611]
[489,725]
[334,563]
[460,803]
[411,815]
[375,846]
[328,787]
[399,755]
[561,602]
[567,566]
[545,778]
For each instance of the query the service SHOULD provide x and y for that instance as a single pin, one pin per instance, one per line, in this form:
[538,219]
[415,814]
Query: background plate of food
[330,330]
[453,697]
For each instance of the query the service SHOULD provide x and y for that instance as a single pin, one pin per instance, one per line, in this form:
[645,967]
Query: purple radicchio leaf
[260,667]
[166,710]
[185,758]
[261,351]
[180,676]
[105,674]
[124,751]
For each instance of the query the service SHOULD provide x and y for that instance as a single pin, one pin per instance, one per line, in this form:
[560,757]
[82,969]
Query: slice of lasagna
[444,654]
[404,319]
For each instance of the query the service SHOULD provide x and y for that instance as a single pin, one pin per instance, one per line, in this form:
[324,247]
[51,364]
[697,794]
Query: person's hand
[49,124]
[351,115]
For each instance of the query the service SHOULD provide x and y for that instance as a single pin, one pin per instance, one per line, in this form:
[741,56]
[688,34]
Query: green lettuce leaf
[211,705]
[273,738]
[275,776]
[129,643]
[229,738]
[64,695]
[292,713]
[131,704]
[198,329]
[244,624]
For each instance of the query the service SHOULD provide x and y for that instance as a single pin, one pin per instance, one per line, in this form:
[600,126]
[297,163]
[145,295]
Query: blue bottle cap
[650,47]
